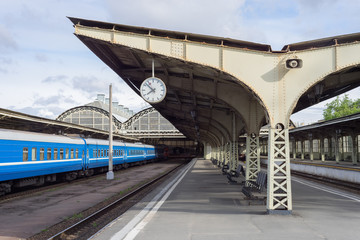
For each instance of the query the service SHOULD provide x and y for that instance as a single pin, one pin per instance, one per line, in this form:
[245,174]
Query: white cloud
[41,60]
[201,16]
[7,40]
[54,79]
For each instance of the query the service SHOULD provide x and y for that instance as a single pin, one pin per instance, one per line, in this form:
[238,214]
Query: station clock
[153,90]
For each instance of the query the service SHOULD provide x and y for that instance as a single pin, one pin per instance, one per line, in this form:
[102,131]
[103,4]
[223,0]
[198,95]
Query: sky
[45,69]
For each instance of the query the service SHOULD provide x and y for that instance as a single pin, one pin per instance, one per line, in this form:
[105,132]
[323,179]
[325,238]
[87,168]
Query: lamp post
[110,173]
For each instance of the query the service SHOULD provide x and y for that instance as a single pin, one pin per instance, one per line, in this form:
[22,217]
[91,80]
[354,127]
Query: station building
[147,125]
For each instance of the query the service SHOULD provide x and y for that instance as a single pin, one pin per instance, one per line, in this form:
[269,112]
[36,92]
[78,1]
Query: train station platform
[199,204]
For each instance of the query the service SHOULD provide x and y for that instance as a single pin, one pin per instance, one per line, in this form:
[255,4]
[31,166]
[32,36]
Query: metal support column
[110,173]
[330,146]
[228,152]
[205,148]
[219,154]
[311,143]
[234,146]
[354,149]
[294,149]
[337,152]
[252,157]
[279,200]
[322,148]
[234,161]
[302,149]
[223,155]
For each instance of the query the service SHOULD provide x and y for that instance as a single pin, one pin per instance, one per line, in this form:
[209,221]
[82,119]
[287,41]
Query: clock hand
[152,89]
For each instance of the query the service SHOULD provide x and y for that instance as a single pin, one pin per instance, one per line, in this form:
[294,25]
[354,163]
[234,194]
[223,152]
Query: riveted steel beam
[247,78]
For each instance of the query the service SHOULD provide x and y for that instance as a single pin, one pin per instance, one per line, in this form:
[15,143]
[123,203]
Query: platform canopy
[220,88]
[201,98]
[192,103]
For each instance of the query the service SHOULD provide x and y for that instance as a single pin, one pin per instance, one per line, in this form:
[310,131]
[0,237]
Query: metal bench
[224,168]
[255,186]
[220,163]
[239,171]
[214,161]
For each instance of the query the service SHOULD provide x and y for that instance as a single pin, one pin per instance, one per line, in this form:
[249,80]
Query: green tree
[341,107]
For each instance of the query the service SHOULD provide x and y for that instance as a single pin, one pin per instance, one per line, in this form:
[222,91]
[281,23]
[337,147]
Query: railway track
[87,226]
[30,191]
[352,187]
[34,190]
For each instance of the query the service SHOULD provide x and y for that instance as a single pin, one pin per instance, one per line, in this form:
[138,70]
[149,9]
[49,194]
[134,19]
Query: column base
[110,175]
[278,212]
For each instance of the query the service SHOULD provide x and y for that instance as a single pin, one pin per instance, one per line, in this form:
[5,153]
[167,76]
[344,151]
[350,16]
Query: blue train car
[150,152]
[99,153]
[24,154]
[28,158]
[139,151]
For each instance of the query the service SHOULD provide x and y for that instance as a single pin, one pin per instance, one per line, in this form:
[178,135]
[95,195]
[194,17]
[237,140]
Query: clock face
[153,90]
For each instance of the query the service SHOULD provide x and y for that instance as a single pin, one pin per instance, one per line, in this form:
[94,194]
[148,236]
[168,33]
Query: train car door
[85,156]
[125,152]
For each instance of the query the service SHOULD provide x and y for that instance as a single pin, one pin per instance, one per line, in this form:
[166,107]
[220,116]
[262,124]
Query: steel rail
[326,180]
[84,222]
[334,182]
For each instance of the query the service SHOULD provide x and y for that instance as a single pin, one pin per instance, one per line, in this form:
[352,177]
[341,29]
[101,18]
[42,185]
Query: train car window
[82,155]
[61,153]
[87,153]
[55,153]
[33,154]
[77,153]
[42,155]
[107,152]
[99,153]
[102,153]
[25,154]
[67,153]
[48,155]
[94,153]
[72,153]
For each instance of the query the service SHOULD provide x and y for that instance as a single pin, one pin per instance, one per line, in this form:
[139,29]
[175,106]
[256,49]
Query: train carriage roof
[16,135]
[94,141]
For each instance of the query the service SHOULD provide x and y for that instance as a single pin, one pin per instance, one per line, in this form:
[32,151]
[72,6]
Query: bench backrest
[261,179]
[239,169]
